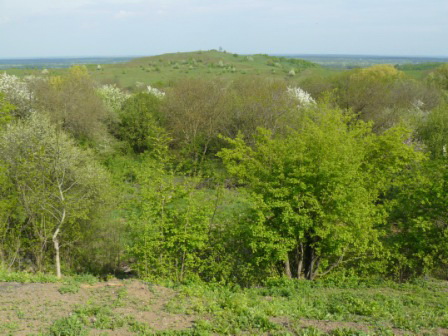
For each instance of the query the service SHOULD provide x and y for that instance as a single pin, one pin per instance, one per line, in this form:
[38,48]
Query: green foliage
[58,185]
[69,288]
[419,66]
[419,228]
[26,277]
[433,131]
[5,110]
[316,200]
[139,124]
[68,326]
[383,95]
[171,224]
[71,102]
[72,284]
[198,111]
[308,192]
[195,113]
[373,305]
[439,77]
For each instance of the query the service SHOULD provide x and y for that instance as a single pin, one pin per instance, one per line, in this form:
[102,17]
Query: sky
[75,28]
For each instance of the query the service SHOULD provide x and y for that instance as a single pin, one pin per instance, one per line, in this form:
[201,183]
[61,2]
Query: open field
[84,306]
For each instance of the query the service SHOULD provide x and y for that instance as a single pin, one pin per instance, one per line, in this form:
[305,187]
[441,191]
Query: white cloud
[4,19]
[123,14]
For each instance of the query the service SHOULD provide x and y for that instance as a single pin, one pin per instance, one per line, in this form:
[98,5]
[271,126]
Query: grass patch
[26,277]
[414,308]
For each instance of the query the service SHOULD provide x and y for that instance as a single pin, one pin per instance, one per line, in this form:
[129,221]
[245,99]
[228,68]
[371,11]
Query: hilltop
[162,69]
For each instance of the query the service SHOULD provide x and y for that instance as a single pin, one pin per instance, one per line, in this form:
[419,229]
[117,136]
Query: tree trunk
[57,257]
[314,267]
[288,268]
[300,256]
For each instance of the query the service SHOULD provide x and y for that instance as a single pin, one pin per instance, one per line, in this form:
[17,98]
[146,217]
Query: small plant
[69,288]
[68,326]
[25,277]
[140,328]
[86,278]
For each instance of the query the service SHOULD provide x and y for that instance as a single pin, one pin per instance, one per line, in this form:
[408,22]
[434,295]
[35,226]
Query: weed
[68,326]
[69,288]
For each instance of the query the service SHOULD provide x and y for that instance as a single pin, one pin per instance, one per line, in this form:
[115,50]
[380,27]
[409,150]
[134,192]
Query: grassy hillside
[161,70]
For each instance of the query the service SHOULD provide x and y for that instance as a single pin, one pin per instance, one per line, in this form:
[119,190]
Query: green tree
[316,189]
[139,123]
[439,77]
[433,131]
[5,110]
[194,111]
[72,103]
[383,94]
[418,225]
[169,223]
[58,184]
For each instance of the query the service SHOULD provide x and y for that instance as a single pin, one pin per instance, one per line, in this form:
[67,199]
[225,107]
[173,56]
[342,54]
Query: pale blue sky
[43,28]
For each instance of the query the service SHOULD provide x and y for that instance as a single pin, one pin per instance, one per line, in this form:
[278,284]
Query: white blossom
[418,104]
[155,92]
[17,91]
[303,97]
[112,97]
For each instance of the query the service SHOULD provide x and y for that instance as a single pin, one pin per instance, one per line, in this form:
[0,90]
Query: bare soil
[31,308]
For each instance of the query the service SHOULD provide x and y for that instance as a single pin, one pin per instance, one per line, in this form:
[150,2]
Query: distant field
[43,63]
[356,61]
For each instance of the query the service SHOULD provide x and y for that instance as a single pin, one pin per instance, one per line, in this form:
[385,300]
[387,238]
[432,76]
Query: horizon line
[257,53]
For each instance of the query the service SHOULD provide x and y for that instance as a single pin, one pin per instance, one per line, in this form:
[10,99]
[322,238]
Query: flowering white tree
[112,97]
[303,97]
[156,92]
[17,92]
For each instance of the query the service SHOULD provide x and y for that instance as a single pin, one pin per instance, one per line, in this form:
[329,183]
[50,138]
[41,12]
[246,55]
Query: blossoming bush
[156,92]
[17,92]
[112,97]
[301,95]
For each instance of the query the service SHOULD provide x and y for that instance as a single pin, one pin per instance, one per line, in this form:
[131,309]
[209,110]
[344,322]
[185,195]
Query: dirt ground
[32,308]
[27,309]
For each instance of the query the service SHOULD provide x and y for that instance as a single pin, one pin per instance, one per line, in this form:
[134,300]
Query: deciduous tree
[58,183]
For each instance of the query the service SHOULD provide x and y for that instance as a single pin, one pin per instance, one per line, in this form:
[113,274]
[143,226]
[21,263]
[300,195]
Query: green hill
[165,68]
[162,69]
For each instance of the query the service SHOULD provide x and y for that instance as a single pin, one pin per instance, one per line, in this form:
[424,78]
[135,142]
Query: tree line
[230,181]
